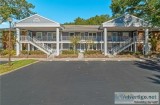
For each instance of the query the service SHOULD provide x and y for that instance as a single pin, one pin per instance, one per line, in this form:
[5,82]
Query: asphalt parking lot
[77,83]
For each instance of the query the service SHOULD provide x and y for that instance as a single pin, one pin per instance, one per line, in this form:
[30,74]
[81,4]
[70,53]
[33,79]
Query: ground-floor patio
[78,83]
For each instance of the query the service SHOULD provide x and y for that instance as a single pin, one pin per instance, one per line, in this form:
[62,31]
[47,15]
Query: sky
[63,11]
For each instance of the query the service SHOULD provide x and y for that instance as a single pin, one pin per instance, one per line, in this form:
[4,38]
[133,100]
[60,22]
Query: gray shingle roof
[81,27]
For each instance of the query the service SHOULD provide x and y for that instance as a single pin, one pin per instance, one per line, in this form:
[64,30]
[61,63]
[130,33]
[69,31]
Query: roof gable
[125,21]
[36,20]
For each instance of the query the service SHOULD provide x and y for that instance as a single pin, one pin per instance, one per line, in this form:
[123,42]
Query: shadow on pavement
[151,66]
[156,79]
[148,65]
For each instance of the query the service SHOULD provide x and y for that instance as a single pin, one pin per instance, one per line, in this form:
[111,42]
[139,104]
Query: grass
[15,65]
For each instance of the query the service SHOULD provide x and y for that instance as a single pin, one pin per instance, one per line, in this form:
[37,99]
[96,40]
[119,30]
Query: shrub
[137,53]
[6,52]
[1,51]
[127,53]
[89,52]
[66,52]
[24,52]
[36,52]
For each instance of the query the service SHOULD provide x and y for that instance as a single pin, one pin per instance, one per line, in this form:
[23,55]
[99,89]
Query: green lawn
[16,64]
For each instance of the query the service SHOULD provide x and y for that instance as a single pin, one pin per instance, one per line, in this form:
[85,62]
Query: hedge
[36,52]
[66,52]
[89,52]
[6,52]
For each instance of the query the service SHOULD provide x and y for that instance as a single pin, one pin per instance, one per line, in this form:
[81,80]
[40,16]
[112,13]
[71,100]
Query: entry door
[82,46]
[134,36]
[114,36]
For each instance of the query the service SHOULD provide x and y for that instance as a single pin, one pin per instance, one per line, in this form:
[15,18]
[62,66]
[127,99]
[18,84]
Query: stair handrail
[118,47]
[43,45]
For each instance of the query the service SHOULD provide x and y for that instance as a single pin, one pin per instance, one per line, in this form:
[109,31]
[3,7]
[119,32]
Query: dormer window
[36,20]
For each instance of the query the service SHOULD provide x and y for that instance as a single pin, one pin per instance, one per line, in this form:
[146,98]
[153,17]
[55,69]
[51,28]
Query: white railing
[46,38]
[117,48]
[43,45]
[34,40]
[67,38]
[117,38]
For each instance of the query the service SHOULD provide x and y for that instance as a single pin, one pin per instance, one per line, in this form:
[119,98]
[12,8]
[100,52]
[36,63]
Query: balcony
[83,38]
[46,38]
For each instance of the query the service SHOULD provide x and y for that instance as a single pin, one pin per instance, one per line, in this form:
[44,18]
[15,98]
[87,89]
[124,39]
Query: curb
[17,69]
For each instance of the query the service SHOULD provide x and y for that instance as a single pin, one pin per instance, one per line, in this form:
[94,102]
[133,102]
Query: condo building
[125,33]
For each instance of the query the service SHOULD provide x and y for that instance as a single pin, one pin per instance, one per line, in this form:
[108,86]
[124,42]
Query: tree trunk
[74,49]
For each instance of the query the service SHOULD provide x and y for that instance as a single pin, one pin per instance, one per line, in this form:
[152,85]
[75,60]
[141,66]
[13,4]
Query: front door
[114,36]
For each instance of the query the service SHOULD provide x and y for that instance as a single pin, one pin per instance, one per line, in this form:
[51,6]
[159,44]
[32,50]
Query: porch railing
[34,40]
[46,38]
[98,38]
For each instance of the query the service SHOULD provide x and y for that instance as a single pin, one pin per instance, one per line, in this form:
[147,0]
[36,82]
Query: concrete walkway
[77,59]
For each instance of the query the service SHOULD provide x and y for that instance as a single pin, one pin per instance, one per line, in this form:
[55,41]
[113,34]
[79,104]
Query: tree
[13,9]
[75,40]
[155,38]
[96,20]
[5,40]
[16,9]
[149,10]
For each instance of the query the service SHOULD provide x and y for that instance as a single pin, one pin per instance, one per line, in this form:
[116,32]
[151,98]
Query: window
[125,35]
[54,35]
[39,35]
[49,36]
[71,34]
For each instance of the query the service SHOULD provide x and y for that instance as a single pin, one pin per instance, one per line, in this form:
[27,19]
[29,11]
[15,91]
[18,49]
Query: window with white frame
[54,35]
[39,35]
[125,35]
[49,36]
[109,36]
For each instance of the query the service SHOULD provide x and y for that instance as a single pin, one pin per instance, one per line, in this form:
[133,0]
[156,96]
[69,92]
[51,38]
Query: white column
[29,47]
[17,41]
[135,47]
[146,49]
[105,41]
[61,42]
[21,46]
[101,47]
[57,40]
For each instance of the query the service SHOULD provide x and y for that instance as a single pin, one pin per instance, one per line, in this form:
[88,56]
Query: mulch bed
[67,56]
[95,56]
[27,56]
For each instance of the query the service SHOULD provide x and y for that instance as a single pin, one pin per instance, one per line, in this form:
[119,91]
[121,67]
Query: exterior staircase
[41,46]
[119,48]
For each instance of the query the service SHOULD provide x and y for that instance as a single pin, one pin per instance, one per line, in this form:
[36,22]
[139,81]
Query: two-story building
[112,37]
